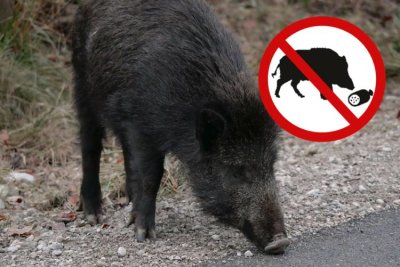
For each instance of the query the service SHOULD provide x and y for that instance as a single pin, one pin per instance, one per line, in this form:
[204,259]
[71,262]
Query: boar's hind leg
[279,84]
[91,135]
[294,84]
[144,167]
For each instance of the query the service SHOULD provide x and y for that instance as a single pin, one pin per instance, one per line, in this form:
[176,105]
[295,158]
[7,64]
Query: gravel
[4,191]
[215,237]
[121,252]
[325,184]
[321,185]
[248,254]
[56,252]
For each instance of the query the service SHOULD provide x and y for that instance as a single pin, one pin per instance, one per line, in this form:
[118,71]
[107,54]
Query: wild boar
[166,76]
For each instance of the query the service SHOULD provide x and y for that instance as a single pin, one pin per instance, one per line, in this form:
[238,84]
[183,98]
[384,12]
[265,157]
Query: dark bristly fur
[166,76]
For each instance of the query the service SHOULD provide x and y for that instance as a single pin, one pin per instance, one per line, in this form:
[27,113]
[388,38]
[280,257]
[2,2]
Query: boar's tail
[273,74]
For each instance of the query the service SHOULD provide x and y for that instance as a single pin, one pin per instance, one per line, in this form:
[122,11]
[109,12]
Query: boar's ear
[209,126]
[344,59]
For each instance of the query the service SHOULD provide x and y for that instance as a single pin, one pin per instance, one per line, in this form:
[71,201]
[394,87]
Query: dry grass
[35,83]
[35,87]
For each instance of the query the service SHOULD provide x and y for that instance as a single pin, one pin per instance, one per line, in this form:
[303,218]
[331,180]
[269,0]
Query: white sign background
[311,112]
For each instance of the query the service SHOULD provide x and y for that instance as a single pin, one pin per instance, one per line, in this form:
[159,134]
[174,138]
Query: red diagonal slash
[313,77]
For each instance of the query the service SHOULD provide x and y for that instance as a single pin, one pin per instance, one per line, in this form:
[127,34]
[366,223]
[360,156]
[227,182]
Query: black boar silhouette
[330,67]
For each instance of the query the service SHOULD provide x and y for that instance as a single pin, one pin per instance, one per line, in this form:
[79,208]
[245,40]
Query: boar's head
[234,174]
[342,77]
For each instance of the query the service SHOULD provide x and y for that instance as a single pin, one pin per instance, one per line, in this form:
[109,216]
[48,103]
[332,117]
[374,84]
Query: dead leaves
[73,200]
[15,200]
[20,177]
[4,138]
[104,226]
[21,232]
[3,217]
[121,201]
[66,217]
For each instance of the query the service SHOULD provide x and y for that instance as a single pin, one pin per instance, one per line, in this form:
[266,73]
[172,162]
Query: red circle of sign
[312,22]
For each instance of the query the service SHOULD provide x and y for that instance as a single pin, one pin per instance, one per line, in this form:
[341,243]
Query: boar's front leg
[331,87]
[144,166]
[294,84]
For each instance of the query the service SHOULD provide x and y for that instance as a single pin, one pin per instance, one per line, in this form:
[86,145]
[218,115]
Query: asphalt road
[371,241]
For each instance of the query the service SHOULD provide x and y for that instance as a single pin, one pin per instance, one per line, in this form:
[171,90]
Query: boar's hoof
[278,245]
[142,230]
[277,95]
[94,219]
[143,233]
[92,210]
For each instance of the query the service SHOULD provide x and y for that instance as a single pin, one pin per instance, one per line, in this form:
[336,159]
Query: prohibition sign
[354,122]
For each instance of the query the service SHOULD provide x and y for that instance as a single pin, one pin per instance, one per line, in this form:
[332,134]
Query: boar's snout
[346,81]
[271,240]
[278,244]
[262,220]
[351,87]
